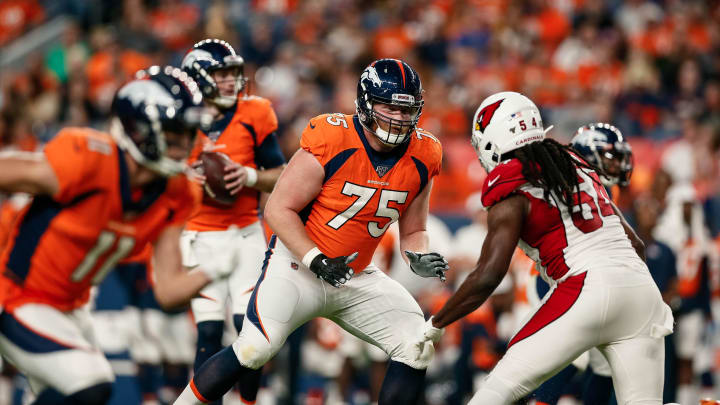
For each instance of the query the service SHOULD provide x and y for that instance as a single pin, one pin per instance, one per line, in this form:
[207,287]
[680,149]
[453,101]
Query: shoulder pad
[429,149]
[502,181]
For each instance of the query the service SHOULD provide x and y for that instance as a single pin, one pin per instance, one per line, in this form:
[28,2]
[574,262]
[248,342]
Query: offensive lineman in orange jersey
[244,129]
[352,178]
[98,198]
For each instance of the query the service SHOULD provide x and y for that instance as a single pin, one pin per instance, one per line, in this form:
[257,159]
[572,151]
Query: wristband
[309,256]
[252,176]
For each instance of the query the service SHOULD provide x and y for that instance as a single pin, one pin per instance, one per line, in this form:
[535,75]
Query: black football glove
[427,264]
[335,271]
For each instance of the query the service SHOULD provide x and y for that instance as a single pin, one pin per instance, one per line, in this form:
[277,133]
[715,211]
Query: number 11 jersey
[63,244]
[364,191]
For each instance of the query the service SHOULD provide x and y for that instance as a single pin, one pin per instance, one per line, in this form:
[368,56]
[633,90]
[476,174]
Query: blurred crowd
[651,68]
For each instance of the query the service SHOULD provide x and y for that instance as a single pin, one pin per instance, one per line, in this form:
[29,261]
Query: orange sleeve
[266,121]
[313,140]
[187,200]
[436,158]
[72,163]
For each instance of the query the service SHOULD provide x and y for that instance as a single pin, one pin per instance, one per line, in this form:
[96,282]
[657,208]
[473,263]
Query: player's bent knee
[98,394]
[252,353]
[412,357]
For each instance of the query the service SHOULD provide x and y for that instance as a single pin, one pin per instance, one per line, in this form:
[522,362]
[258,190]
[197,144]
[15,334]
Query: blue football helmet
[207,56]
[159,100]
[394,82]
[604,146]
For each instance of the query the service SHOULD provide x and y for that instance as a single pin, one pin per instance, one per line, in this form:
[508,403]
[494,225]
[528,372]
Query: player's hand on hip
[235,177]
[335,271]
[429,335]
[428,264]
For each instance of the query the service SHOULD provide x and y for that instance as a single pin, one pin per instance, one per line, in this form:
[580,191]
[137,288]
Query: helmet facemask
[391,131]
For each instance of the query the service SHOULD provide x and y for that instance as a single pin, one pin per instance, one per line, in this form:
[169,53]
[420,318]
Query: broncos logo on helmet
[393,82]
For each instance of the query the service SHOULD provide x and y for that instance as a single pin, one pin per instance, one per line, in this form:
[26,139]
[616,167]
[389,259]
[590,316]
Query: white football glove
[428,336]
[427,264]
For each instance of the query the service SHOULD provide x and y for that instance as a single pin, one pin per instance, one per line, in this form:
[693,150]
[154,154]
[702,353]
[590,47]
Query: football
[213,168]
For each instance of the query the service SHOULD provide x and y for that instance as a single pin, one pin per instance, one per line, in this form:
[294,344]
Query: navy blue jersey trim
[26,338]
[268,154]
[34,224]
[219,126]
[337,161]
[422,172]
[380,159]
[252,312]
[251,129]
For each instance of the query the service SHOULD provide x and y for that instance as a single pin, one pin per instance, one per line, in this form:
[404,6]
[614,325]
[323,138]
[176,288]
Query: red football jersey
[364,191]
[63,244]
[563,241]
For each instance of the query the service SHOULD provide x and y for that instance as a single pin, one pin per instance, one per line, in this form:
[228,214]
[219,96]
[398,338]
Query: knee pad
[252,353]
[96,395]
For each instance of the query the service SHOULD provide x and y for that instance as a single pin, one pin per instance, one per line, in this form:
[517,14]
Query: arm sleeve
[68,156]
[312,140]
[265,121]
[268,154]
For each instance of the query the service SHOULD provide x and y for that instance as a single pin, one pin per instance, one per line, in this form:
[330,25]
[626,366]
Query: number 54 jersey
[62,244]
[364,191]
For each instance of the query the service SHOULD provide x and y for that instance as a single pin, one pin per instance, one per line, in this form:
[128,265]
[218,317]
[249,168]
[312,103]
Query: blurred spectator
[17,16]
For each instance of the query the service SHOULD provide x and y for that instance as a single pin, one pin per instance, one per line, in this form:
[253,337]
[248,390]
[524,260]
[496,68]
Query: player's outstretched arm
[505,221]
[27,172]
[174,286]
[635,240]
[296,187]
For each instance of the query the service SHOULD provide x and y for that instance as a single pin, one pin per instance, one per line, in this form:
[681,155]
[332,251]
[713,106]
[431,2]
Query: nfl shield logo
[381,170]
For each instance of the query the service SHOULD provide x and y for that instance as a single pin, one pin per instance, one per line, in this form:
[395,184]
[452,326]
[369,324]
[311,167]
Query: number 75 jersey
[63,244]
[364,191]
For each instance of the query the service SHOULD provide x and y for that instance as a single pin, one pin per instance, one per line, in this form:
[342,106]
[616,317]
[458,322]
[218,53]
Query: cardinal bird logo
[486,115]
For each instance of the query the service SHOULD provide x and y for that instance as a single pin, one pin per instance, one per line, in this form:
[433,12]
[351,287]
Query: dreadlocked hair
[552,166]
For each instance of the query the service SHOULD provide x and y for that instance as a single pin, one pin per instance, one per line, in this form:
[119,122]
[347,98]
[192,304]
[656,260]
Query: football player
[604,146]
[98,198]
[244,129]
[353,176]
[544,198]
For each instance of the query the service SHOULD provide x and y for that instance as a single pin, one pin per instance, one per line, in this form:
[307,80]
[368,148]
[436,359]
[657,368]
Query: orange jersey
[63,244]
[364,191]
[246,135]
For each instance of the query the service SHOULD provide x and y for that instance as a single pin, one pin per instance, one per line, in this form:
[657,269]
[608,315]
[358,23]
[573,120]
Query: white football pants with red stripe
[618,310]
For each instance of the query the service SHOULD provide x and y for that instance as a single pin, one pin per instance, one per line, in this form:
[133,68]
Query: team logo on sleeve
[486,115]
